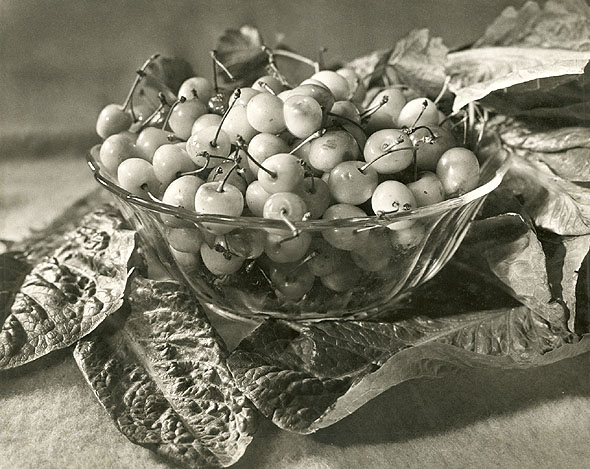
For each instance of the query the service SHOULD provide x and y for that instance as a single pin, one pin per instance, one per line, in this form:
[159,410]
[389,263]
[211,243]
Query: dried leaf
[563,24]
[566,150]
[162,377]
[240,50]
[308,377]
[553,202]
[68,294]
[417,60]
[477,73]
[565,256]
[167,72]
[12,274]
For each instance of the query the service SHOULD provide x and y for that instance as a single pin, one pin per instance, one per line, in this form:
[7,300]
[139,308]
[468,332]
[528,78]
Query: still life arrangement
[412,212]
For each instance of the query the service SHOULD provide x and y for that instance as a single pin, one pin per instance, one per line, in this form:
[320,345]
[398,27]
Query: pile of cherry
[311,151]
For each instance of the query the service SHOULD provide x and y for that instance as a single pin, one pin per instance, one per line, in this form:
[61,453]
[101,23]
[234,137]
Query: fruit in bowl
[304,201]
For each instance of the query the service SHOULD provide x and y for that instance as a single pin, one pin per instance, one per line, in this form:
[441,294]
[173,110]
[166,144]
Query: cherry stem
[424,106]
[299,58]
[432,136]
[180,100]
[274,67]
[213,54]
[415,162]
[310,256]
[150,194]
[443,89]
[366,228]
[372,110]
[221,186]
[313,136]
[158,110]
[364,167]
[264,85]
[140,75]
[294,231]
[237,94]
[321,62]
[241,144]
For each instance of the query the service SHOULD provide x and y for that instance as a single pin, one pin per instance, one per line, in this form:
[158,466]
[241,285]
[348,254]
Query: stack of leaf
[519,282]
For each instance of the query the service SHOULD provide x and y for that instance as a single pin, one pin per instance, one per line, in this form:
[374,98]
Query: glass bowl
[393,253]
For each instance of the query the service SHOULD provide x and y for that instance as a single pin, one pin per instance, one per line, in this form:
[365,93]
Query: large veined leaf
[240,50]
[504,72]
[529,63]
[308,377]
[68,294]
[558,24]
[417,60]
[542,161]
[162,377]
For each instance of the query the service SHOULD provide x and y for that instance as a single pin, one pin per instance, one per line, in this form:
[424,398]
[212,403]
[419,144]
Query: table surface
[475,418]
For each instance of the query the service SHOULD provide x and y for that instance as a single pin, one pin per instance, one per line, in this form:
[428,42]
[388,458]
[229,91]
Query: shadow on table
[423,409]
[431,406]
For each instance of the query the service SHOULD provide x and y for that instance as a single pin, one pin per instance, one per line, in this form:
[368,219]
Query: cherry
[344,238]
[187,261]
[292,283]
[218,259]
[183,116]
[181,193]
[113,119]
[284,206]
[264,145]
[256,197]
[115,149]
[336,83]
[136,175]
[407,238]
[265,113]
[343,279]
[334,147]
[236,124]
[351,184]
[219,199]
[427,189]
[246,94]
[209,141]
[458,170]
[245,242]
[386,116]
[285,247]
[268,84]
[149,140]
[196,87]
[169,161]
[319,92]
[219,172]
[316,195]
[375,255]
[204,121]
[378,148]
[325,258]
[187,239]
[281,173]
[393,197]
[303,115]
[419,111]
[431,142]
